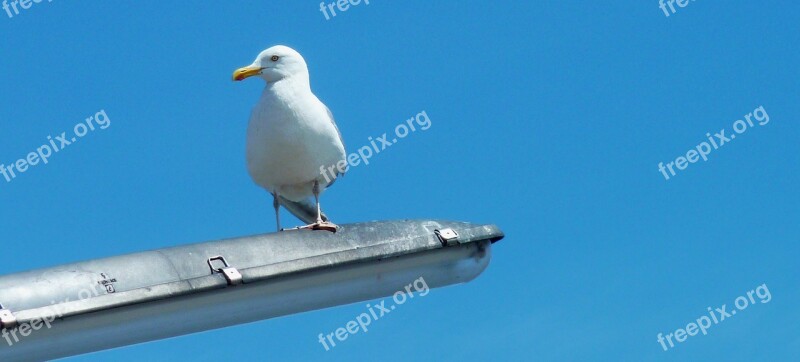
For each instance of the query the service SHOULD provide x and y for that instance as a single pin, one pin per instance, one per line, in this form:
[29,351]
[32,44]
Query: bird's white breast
[289,138]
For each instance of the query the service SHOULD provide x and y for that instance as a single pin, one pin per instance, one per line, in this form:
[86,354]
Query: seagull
[294,148]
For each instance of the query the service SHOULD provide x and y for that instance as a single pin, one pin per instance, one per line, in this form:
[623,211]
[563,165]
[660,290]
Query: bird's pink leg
[320,224]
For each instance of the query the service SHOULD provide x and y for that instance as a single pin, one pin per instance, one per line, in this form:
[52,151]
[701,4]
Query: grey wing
[333,121]
[304,210]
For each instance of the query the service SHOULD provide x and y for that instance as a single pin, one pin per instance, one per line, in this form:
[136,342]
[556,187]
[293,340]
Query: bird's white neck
[296,81]
[295,87]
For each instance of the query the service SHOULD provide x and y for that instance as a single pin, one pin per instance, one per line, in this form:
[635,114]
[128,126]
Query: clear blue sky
[549,119]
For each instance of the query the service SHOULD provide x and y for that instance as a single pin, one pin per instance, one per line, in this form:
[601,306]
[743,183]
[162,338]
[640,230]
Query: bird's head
[274,64]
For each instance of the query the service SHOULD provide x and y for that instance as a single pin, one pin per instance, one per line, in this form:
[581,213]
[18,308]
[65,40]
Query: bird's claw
[321,225]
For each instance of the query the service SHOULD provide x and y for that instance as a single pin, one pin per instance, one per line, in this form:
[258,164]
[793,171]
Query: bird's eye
[275,58]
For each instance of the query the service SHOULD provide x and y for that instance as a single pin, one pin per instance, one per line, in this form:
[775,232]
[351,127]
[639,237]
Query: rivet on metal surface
[448,236]
[230,273]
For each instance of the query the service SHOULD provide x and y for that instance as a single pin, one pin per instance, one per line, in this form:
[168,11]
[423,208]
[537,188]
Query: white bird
[293,143]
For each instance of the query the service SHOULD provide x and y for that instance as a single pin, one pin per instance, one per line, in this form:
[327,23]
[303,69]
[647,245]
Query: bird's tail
[304,210]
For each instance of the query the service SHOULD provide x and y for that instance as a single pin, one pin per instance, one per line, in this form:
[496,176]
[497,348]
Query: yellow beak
[246,72]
